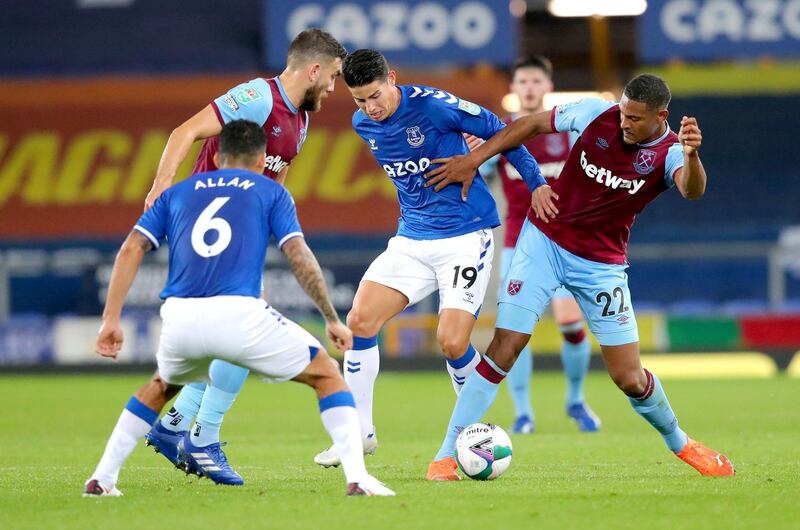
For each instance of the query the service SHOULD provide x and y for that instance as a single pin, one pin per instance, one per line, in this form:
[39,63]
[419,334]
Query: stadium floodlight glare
[602,8]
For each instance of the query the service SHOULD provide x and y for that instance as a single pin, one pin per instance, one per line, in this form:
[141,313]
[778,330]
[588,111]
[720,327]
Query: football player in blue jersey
[218,225]
[443,243]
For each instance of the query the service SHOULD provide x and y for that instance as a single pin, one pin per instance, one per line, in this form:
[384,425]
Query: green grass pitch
[53,430]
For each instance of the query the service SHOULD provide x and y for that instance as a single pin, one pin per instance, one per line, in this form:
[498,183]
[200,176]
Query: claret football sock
[654,407]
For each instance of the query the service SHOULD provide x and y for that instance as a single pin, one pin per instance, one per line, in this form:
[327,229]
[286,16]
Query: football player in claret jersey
[443,242]
[280,105]
[531,79]
[576,235]
[218,225]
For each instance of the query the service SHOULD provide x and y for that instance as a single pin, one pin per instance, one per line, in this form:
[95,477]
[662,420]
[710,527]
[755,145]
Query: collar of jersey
[283,95]
[654,142]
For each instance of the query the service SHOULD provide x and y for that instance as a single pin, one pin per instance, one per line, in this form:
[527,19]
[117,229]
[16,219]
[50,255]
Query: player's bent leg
[453,334]
[140,413]
[519,388]
[576,353]
[338,414]
[647,397]
[477,396]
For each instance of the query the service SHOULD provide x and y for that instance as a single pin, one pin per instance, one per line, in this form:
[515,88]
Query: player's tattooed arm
[691,178]
[202,125]
[306,269]
[126,265]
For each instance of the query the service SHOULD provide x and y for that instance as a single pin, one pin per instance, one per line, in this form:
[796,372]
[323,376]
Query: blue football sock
[477,395]
[576,352]
[654,407]
[180,416]
[226,383]
[519,384]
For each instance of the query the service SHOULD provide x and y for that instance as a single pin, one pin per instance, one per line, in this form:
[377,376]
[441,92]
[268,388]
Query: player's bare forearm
[513,135]
[126,265]
[306,269]
[280,178]
[201,125]
[692,180]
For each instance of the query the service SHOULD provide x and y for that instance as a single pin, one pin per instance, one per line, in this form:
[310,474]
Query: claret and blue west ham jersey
[218,225]
[605,182]
[428,124]
[264,102]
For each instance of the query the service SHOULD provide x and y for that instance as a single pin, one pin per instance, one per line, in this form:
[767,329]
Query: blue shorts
[505,263]
[539,267]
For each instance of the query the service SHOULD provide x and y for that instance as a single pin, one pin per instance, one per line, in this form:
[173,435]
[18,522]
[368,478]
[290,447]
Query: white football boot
[95,488]
[329,458]
[371,487]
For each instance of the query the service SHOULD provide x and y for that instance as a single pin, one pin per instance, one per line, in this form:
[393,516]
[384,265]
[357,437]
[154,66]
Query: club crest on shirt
[645,161]
[276,130]
[415,137]
[514,287]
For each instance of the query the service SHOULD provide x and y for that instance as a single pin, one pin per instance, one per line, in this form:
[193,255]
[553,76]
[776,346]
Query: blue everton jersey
[218,225]
[428,124]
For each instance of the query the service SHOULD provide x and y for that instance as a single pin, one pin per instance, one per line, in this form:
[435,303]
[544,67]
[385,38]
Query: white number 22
[206,222]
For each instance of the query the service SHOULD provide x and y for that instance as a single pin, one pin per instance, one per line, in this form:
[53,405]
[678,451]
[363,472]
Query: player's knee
[631,382]
[362,324]
[453,347]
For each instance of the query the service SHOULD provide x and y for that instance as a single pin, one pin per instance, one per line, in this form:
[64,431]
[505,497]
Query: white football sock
[342,425]
[360,371]
[126,434]
[461,368]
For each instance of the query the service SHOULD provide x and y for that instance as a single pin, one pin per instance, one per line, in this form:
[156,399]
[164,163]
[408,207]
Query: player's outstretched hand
[109,339]
[451,170]
[340,335]
[689,135]
[153,194]
[543,203]
[473,142]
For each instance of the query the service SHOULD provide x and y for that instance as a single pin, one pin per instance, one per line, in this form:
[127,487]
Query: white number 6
[207,222]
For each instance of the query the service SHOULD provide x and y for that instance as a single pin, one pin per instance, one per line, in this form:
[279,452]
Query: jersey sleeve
[283,218]
[460,115]
[673,163]
[249,101]
[577,115]
[153,223]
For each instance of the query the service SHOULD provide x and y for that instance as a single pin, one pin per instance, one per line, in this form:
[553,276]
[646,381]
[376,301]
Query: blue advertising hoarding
[719,29]
[408,32]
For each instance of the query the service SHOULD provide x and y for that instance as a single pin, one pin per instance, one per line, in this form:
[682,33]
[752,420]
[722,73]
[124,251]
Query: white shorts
[238,329]
[458,267]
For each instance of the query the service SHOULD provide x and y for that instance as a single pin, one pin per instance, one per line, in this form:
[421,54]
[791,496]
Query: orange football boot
[707,461]
[444,469]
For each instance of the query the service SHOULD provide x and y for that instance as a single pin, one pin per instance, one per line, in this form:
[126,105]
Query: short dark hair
[313,43]
[242,140]
[534,61]
[362,67]
[649,89]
